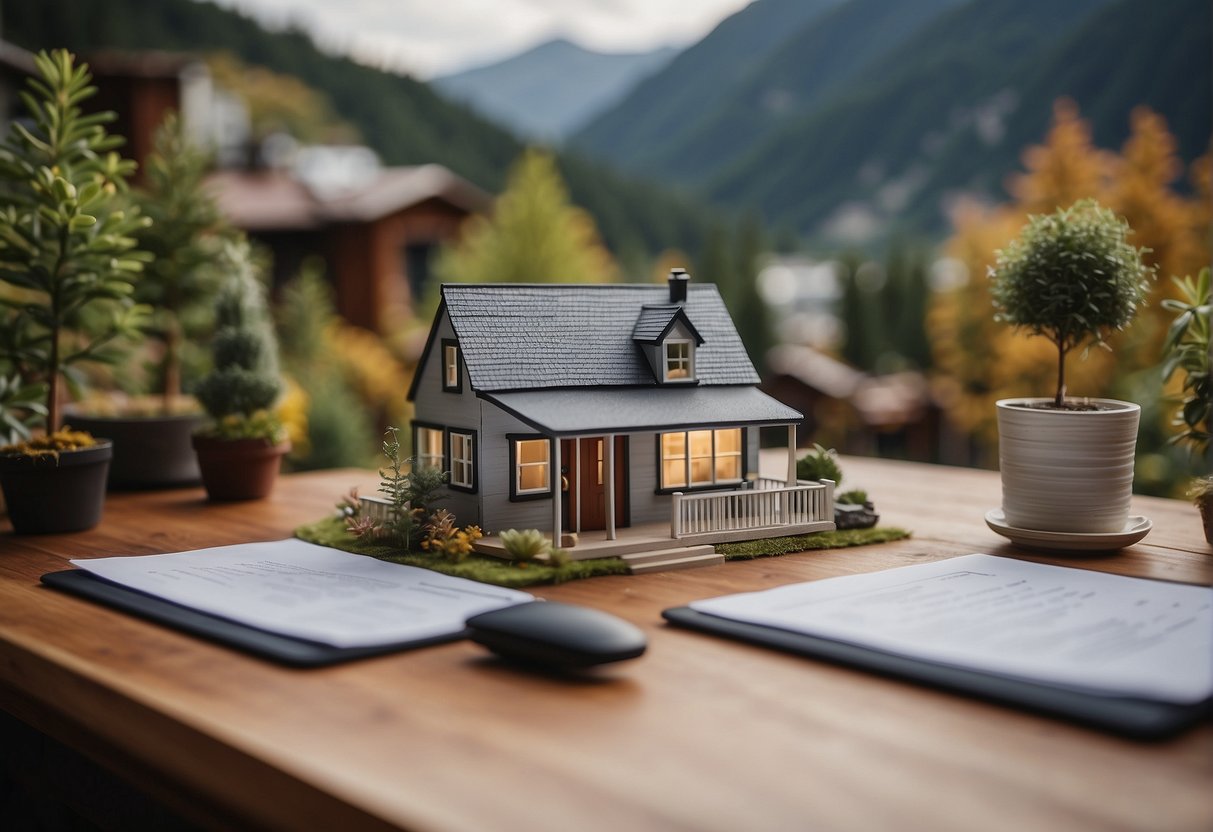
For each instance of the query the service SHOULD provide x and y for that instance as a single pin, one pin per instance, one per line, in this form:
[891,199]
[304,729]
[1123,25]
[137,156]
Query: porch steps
[683,557]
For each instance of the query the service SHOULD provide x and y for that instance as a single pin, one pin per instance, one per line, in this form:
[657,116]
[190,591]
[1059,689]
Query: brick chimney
[679,280]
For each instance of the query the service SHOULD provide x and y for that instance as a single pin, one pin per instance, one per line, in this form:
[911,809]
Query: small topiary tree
[819,464]
[244,385]
[1072,277]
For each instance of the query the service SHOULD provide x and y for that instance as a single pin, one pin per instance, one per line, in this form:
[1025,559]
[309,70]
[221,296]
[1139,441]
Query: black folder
[1136,718]
[284,649]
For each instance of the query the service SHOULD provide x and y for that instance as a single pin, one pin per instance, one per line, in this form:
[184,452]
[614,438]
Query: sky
[427,38]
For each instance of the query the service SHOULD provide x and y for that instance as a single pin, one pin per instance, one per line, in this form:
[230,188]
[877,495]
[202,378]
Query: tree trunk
[1060,400]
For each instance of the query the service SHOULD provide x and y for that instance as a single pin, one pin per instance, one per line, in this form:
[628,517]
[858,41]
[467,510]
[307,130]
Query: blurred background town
[843,170]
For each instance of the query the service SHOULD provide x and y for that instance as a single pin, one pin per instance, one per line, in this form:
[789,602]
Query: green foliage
[244,382]
[534,236]
[339,425]
[185,239]
[819,464]
[854,497]
[1186,349]
[525,544]
[841,539]
[21,404]
[410,494]
[67,244]
[1072,277]
[443,537]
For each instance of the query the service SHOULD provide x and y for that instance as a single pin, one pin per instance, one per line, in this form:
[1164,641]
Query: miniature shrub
[527,544]
[1187,349]
[819,464]
[1072,277]
[854,497]
[409,493]
[443,537]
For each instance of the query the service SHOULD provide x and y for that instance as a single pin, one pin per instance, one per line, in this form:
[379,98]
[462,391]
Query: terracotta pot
[50,495]
[239,469]
[149,451]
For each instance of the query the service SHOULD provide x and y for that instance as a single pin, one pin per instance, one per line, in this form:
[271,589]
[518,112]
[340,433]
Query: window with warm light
[701,458]
[679,360]
[429,447]
[462,460]
[532,466]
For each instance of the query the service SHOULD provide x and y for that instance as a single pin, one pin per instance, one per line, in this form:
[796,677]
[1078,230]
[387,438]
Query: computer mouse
[557,635]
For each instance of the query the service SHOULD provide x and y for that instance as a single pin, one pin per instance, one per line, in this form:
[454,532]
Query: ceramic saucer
[1135,529]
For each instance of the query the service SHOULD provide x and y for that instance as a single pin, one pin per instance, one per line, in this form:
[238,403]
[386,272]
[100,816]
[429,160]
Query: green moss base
[331,532]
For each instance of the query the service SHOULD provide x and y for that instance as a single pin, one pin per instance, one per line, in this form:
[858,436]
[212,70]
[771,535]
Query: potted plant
[1067,464]
[1186,350]
[67,264]
[152,433]
[240,453]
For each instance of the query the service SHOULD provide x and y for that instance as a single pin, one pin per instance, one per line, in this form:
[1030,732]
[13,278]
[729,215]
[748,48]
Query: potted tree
[68,259]
[152,433]
[240,453]
[1067,464]
[1186,350]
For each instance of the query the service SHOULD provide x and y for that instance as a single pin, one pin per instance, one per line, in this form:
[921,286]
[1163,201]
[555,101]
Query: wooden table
[700,734]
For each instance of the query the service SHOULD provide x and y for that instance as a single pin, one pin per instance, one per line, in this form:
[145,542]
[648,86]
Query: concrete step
[686,557]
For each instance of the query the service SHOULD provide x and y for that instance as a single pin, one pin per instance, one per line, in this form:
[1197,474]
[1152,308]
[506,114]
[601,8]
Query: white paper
[1101,633]
[309,591]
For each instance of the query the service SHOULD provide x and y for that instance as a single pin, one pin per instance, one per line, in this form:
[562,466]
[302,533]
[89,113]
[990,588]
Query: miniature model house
[598,408]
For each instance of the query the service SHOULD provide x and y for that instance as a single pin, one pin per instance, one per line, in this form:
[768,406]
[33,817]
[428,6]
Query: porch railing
[768,504]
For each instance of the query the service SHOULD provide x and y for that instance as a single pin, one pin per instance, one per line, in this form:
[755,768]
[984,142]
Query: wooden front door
[584,480]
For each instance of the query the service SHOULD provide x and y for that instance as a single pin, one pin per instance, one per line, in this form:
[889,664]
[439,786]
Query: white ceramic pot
[1067,470]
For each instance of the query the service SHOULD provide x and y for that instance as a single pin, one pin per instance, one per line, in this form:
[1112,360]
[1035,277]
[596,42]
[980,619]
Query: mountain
[404,120]
[662,105]
[551,90]
[870,115]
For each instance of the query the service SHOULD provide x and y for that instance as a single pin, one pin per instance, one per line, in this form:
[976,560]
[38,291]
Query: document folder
[287,650]
[1135,718]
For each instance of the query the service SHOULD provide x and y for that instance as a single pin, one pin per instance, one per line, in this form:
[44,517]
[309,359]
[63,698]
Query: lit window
[450,365]
[679,364]
[532,468]
[700,458]
[429,447]
[461,460]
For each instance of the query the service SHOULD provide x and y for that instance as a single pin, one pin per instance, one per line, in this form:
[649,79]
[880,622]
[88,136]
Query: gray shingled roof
[522,337]
[655,319]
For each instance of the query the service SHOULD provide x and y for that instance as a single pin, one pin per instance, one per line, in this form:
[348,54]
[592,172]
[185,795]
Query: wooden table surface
[700,734]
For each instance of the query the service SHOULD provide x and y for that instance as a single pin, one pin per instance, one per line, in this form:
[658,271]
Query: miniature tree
[1072,277]
[66,239]
[186,239]
[244,385]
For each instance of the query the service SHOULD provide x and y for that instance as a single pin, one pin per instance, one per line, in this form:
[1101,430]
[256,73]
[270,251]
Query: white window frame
[465,460]
[450,367]
[686,362]
[429,460]
[687,458]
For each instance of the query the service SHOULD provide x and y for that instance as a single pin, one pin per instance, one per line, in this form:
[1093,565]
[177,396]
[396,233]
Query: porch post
[609,464]
[575,471]
[791,455]
[557,492]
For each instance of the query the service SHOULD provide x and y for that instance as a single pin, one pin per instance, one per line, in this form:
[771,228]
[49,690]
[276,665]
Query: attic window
[679,361]
[451,361]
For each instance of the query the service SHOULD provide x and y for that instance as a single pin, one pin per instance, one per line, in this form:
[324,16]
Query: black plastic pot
[149,451]
[49,494]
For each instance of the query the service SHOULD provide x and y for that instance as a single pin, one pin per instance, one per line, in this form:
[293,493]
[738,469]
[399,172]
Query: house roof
[596,411]
[549,336]
[276,200]
[656,320]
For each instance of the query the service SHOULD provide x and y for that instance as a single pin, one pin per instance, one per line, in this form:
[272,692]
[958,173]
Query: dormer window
[451,361]
[679,360]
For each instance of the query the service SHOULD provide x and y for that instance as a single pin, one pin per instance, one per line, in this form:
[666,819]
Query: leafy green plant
[67,244]
[527,545]
[244,385]
[185,239]
[409,494]
[20,405]
[1186,349]
[854,497]
[1072,277]
[819,464]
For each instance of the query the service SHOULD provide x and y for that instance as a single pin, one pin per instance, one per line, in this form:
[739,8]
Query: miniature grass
[490,570]
[841,539]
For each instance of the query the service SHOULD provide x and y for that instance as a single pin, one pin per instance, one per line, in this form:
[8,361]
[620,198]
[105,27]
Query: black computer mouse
[557,635]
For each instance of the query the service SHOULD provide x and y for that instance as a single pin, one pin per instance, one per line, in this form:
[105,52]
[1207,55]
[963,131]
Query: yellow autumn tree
[979,361]
[534,235]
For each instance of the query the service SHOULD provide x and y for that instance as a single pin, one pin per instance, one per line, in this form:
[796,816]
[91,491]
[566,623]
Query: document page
[308,591]
[1100,633]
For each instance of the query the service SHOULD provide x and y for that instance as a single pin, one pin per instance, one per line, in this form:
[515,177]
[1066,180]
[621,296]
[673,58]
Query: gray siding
[495,474]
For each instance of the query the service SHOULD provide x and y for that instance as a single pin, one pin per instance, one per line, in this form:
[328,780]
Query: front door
[584,481]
